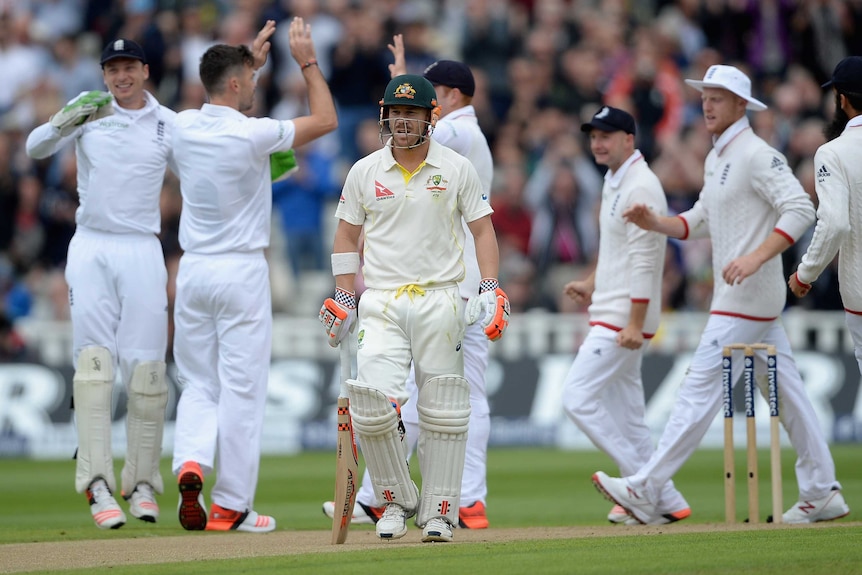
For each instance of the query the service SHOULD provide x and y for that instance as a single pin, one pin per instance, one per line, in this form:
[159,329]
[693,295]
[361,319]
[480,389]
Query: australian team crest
[405,90]
[436,184]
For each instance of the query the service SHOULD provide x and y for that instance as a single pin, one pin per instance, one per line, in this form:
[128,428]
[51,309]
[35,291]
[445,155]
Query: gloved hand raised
[491,306]
[338,315]
[84,108]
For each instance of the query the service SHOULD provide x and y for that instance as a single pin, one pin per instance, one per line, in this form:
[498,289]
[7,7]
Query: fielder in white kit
[839,192]
[409,198]
[223,312]
[117,278]
[459,130]
[603,391]
[752,208]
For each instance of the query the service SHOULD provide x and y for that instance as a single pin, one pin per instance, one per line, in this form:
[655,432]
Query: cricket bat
[347,462]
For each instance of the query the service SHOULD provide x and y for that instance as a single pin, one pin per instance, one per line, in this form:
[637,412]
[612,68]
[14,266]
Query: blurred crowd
[542,67]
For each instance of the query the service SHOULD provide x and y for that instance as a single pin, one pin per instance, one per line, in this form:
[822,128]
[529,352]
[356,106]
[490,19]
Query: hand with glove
[338,315]
[86,107]
[491,306]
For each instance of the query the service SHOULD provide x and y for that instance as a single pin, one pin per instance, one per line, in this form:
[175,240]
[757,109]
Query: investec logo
[381,192]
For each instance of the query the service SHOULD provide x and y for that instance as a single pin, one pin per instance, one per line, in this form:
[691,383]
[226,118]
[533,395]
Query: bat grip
[346,365]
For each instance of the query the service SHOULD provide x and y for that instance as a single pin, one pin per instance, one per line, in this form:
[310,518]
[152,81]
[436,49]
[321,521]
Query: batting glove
[87,107]
[338,315]
[491,306]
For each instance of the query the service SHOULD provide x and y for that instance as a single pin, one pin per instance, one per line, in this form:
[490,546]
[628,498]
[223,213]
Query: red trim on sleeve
[685,223]
[640,300]
[853,311]
[785,235]
[802,283]
[743,316]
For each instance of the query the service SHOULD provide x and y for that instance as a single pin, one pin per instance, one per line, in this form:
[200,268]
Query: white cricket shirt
[413,229]
[839,215]
[748,192]
[630,260]
[460,131]
[223,160]
[121,166]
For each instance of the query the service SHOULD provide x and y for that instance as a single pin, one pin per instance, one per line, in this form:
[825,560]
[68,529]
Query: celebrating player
[409,199]
[223,311]
[117,278]
[752,208]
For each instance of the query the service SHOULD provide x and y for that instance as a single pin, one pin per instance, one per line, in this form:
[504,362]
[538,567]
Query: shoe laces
[99,490]
[144,490]
[393,511]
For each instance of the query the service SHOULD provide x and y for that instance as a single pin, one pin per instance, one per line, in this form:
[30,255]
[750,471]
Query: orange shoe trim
[192,516]
[473,517]
[222,519]
[678,515]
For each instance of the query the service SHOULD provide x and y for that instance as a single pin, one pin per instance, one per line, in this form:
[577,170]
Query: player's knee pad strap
[376,423]
[145,422]
[444,417]
[92,388]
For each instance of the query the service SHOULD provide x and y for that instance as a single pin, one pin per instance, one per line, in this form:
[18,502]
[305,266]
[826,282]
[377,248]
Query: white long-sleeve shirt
[121,166]
[223,161]
[839,215]
[460,131]
[748,192]
[630,260]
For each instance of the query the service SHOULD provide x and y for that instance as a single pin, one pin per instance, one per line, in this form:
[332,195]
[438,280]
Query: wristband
[345,263]
[488,284]
[309,64]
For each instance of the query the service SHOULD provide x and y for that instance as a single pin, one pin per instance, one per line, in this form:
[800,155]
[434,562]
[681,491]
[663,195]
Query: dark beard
[834,128]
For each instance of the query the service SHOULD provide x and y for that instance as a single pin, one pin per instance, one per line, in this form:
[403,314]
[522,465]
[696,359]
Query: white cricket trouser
[854,326]
[222,348]
[118,298]
[700,398]
[603,394]
[474,486]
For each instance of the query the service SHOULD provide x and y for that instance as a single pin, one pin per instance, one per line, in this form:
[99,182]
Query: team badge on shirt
[436,184]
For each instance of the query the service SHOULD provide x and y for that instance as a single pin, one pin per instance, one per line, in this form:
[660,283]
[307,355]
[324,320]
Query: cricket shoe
[222,519]
[106,512]
[618,491]
[618,515]
[662,519]
[826,508]
[473,516]
[393,523]
[142,503]
[362,514]
[438,529]
[192,509]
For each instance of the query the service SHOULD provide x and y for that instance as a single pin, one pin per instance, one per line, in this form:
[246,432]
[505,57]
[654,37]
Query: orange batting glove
[491,306]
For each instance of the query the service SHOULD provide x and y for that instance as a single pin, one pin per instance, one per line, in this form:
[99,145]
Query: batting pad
[444,417]
[92,386]
[148,397]
[375,422]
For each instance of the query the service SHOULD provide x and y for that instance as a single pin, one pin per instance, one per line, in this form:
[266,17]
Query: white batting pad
[92,386]
[444,417]
[145,422]
[375,422]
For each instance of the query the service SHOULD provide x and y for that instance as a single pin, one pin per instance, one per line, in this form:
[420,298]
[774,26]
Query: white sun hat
[731,79]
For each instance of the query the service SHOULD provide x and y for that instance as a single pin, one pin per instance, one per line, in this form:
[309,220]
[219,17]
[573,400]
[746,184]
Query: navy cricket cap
[451,74]
[611,120]
[123,49]
[847,75]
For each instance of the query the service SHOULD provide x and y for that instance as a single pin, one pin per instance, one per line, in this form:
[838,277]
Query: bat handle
[346,364]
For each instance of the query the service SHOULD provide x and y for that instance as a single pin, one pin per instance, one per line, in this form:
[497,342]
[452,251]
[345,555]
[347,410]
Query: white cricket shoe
[393,523]
[437,529]
[106,512]
[142,503]
[362,514]
[826,508]
[618,515]
[618,491]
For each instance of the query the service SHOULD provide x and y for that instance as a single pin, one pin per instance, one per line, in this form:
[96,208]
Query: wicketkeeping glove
[338,315]
[281,165]
[491,306]
[87,107]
